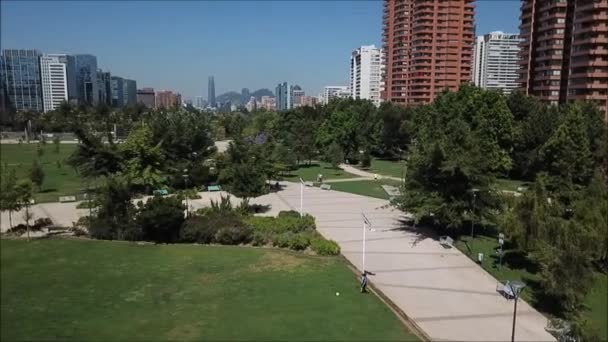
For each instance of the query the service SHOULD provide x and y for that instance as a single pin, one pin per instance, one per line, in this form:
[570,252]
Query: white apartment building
[53,73]
[333,92]
[366,68]
[496,62]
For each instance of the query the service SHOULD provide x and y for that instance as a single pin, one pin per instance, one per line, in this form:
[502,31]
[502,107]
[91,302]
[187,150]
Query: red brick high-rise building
[428,47]
[564,55]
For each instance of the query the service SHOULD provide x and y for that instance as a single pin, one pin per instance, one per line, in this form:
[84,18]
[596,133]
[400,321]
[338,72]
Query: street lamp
[474,191]
[501,241]
[186,193]
[516,287]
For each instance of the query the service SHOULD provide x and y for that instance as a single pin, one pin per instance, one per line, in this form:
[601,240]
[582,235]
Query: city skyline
[276,59]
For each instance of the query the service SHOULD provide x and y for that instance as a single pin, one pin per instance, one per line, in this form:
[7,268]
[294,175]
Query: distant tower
[211,92]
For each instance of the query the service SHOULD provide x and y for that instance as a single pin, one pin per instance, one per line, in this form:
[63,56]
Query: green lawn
[510,184]
[384,167]
[366,188]
[59,289]
[58,181]
[310,172]
[516,267]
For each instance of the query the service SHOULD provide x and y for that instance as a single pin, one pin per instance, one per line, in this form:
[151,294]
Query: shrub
[299,242]
[234,235]
[199,229]
[161,218]
[366,160]
[282,240]
[259,238]
[43,222]
[288,213]
[325,247]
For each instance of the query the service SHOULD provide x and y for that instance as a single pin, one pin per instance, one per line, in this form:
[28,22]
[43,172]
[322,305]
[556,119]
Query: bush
[42,222]
[288,213]
[259,238]
[366,160]
[299,242]
[325,247]
[234,235]
[199,229]
[161,218]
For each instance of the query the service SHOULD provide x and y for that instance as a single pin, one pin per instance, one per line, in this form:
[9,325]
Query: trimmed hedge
[325,247]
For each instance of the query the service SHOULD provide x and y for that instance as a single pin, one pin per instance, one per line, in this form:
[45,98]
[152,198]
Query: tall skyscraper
[129,92]
[428,47]
[86,79]
[54,77]
[211,92]
[199,102]
[284,96]
[496,61]
[564,54]
[146,97]
[118,91]
[167,99]
[335,92]
[104,87]
[366,69]
[20,75]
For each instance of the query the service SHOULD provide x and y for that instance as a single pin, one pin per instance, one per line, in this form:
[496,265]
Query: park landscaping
[309,172]
[369,188]
[517,266]
[63,289]
[60,178]
[386,167]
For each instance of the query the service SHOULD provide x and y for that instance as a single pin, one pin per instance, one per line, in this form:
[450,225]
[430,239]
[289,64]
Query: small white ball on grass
[337,293]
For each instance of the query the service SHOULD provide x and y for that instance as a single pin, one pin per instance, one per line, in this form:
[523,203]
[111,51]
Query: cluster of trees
[459,146]
[15,194]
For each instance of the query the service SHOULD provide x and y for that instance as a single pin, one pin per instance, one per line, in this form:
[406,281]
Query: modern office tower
[211,92]
[366,70]
[118,91]
[104,87]
[284,96]
[54,77]
[86,79]
[297,94]
[200,102]
[129,92]
[496,61]
[20,76]
[167,99]
[564,53]
[335,92]
[146,97]
[428,48]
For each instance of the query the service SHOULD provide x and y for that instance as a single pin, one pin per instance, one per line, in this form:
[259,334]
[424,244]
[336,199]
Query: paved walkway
[362,173]
[443,291]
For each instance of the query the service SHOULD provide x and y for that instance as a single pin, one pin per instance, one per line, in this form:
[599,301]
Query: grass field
[310,172]
[366,188]
[387,167]
[58,181]
[59,289]
[516,267]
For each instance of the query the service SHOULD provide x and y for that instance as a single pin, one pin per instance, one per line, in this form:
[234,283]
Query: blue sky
[176,45]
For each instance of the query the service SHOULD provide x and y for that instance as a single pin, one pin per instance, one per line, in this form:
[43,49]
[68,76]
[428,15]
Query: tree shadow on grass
[542,301]
[47,190]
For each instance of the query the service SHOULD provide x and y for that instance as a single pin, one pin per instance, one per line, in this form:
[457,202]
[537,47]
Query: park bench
[308,184]
[161,192]
[212,188]
[446,241]
[325,187]
[65,199]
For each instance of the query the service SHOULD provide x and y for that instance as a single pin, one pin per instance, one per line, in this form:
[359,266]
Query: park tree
[161,218]
[143,159]
[9,196]
[114,219]
[37,174]
[566,155]
[334,155]
[240,171]
[462,144]
[24,195]
[396,132]
[56,142]
[283,159]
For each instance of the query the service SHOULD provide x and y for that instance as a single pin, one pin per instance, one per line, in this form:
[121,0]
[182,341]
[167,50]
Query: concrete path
[362,173]
[441,290]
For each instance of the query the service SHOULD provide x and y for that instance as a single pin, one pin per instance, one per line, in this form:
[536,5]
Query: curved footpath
[441,290]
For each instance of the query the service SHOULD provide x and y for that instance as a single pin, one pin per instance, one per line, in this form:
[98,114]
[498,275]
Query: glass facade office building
[86,79]
[20,77]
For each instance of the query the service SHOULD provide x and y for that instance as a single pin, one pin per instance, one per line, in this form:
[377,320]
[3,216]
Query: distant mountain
[262,92]
[232,96]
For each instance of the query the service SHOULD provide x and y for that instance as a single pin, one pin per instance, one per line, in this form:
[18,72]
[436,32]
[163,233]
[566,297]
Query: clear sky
[178,44]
